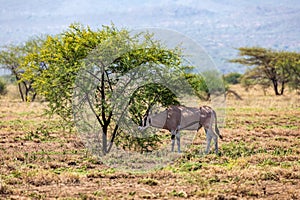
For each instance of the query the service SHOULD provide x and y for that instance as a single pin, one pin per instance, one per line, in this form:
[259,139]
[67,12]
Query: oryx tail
[216,126]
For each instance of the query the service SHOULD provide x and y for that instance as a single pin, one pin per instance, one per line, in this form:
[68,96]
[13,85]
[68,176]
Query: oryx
[176,118]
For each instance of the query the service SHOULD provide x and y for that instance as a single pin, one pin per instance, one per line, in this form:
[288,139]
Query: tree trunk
[113,138]
[275,86]
[26,92]
[282,88]
[104,140]
[33,96]
[21,92]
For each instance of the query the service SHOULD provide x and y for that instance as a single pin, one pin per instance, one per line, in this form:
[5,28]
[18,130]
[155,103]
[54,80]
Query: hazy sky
[218,25]
[22,19]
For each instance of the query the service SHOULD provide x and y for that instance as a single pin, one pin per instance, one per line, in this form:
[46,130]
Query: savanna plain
[259,156]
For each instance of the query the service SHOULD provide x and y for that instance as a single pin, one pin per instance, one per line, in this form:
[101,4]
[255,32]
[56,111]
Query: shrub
[3,89]
[232,78]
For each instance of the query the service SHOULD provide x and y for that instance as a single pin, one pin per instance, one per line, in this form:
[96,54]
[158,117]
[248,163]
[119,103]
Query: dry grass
[257,98]
[259,157]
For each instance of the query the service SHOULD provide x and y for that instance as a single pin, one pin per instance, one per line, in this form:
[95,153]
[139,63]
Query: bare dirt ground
[260,157]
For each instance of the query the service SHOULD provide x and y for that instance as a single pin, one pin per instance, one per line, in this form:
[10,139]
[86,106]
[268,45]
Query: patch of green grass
[190,166]
[281,151]
[16,124]
[26,113]
[180,193]
[41,134]
[214,179]
[291,127]
[60,170]
[36,195]
[242,149]
[108,171]
[99,193]
[237,149]
[148,181]
[132,193]
[80,170]
[281,139]
[288,164]
[230,109]
[268,162]
[16,174]
[46,152]
[92,160]
[269,176]
[64,152]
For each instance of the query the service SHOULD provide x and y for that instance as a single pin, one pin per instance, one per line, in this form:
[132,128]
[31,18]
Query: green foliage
[148,181]
[276,68]
[54,68]
[190,166]
[232,78]
[13,56]
[214,82]
[252,78]
[235,150]
[9,79]
[206,84]
[3,86]
[199,85]
[138,144]
[62,57]
[180,193]
[289,63]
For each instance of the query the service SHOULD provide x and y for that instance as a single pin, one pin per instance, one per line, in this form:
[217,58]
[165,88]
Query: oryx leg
[208,140]
[173,133]
[215,137]
[178,140]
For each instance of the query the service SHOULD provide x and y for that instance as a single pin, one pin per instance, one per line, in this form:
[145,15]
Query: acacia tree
[64,56]
[271,67]
[290,62]
[136,60]
[12,57]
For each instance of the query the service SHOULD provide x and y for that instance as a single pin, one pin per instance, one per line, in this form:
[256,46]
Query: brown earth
[260,157]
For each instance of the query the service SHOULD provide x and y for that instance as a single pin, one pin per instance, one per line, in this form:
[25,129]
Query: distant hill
[218,25]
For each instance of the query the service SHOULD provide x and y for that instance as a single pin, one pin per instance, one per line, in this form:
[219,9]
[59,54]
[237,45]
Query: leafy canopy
[12,57]
[112,54]
[276,68]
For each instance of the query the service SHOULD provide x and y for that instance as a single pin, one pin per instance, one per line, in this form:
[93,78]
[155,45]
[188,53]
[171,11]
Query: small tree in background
[3,89]
[290,62]
[12,57]
[276,68]
[199,85]
[232,78]
[250,79]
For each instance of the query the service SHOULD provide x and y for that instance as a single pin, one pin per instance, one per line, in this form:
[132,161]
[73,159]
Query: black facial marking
[144,121]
